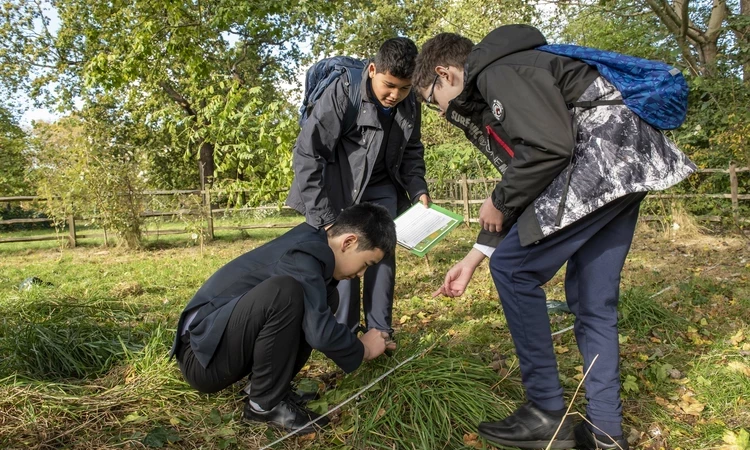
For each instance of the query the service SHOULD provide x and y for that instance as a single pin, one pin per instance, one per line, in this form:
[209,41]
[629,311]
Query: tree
[699,29]
[362,26]
[13,157]
[189,67]
[86,169]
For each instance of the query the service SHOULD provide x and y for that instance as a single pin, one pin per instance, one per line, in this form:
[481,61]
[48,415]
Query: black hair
[371,223]
[397,56]
[445,49]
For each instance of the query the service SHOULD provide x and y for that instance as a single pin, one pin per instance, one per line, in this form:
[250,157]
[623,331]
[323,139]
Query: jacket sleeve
[491,239]
[537,119]
[412,169]
[319,325]
[315,148]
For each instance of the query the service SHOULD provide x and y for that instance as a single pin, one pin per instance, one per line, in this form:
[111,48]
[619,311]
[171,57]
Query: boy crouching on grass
[262,314]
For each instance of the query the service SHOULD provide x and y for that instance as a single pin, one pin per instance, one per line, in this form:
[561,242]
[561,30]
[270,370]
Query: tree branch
[661,13]
[674,24]
[178,98]
[659,8]
[719,13]
[683,5]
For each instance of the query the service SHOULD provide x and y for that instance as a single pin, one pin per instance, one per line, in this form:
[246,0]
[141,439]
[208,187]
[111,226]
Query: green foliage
[630,385]
[204,78]
[625,29]
[260,156]
[362,26]
[160,436]
[717,123]
[13,156]
[700,291]
[84,170]
[15,211]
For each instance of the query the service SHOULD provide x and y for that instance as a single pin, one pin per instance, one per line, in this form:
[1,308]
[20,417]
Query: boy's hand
[460,274]
[425,199]
[490,218]
[390,344]
[374,342]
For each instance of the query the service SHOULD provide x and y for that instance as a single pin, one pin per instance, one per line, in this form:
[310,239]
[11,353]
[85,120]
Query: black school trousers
[263,340]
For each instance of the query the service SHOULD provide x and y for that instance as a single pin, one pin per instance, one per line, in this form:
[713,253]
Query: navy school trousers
[594,248]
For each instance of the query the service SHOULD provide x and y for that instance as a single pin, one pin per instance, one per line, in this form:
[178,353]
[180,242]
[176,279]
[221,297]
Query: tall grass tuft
[681,223]
[432,402]
[52,339]
[641,313]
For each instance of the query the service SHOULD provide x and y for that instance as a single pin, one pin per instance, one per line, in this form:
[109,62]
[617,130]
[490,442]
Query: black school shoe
[529,427]
[287,415]
[587,440]
[302,397]
[298,396]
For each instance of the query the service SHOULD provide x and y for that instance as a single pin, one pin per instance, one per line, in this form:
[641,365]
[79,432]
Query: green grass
[84,359]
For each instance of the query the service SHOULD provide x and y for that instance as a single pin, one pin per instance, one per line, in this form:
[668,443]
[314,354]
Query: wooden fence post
[207,204]
[209,214]
[72,230]
[734,187]
[465,197]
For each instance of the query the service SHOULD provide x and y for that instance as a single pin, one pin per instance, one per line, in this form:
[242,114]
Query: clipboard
[418,229]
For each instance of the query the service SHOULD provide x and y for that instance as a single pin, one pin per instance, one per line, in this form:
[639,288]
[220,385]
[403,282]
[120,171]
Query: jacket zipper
[367,137]
[561,207]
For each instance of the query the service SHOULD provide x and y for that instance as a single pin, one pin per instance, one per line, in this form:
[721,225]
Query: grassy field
[84,357]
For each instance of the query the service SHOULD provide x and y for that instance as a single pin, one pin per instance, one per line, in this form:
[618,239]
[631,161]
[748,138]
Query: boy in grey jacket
[572,184]
[379,160]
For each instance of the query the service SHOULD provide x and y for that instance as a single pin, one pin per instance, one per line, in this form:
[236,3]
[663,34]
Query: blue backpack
[656,91]
[324,72]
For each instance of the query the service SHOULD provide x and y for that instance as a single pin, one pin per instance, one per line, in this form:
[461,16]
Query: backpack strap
[591,104]
[355,98]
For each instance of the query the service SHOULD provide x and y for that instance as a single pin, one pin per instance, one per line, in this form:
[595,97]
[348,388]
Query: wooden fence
[462,192]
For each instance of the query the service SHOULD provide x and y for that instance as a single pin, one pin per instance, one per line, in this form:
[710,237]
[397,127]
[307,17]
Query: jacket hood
[501,42]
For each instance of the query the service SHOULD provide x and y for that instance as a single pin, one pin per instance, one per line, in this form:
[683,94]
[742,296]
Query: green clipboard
[418,229]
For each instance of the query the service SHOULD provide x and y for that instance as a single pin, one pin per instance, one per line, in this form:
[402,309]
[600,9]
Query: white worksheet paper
[413,226]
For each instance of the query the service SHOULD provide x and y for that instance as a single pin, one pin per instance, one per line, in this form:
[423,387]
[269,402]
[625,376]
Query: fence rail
[208,211]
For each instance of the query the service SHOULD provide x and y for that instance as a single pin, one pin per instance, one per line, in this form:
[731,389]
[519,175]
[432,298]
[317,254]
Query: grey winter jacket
[559,163]
[331,170]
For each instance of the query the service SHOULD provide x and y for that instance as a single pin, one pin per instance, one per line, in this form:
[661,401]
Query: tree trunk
[708,54]
[207,159]
[206,152]
[744,36]
[243,195]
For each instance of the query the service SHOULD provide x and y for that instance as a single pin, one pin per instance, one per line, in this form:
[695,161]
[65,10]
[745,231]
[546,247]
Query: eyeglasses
[428,100]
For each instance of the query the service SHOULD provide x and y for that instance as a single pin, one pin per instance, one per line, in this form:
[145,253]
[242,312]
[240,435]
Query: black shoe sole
[314,428]
[556,444]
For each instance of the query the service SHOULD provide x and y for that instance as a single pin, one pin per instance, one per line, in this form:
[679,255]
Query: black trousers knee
[263,337]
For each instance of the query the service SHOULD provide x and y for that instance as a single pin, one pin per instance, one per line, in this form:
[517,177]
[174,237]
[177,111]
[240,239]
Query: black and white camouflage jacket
[559,163]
